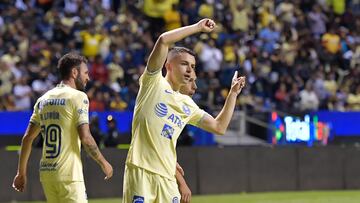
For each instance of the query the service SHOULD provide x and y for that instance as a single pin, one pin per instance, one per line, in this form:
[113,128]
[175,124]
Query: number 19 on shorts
[52,140]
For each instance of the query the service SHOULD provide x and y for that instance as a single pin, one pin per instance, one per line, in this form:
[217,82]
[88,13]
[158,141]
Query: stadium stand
[298,55]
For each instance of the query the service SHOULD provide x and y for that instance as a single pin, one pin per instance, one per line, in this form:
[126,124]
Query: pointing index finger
[235,75]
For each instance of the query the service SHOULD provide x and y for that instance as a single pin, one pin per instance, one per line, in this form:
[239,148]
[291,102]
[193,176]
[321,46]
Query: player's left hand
[238,83]
[185,193]
[107,169]
[19,183]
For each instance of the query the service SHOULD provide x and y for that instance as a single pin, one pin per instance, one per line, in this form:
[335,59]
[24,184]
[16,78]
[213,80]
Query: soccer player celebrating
[160,114]
[62,117]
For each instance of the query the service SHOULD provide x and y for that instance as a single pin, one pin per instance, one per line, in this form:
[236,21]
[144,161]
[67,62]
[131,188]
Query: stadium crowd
[298,55]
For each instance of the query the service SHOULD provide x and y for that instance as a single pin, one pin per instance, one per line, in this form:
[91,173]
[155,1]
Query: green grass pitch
[271,197]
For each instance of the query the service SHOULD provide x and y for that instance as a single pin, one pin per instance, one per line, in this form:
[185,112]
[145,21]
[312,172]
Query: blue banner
[15,123]
[341,123]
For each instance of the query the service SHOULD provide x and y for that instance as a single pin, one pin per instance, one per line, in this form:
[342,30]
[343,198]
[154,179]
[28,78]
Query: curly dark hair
[68,62]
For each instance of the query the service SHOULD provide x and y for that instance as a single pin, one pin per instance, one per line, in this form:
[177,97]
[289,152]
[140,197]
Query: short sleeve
[81,105]
[196,114]
[35,117]
[150,78]
[197,117]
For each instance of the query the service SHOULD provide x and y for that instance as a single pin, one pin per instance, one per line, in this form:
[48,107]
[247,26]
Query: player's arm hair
[159,53]
[89,143]
[31,133]
[220,124]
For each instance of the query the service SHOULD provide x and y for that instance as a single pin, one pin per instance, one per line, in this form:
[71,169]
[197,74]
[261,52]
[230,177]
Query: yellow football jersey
[159,117]
[59,112]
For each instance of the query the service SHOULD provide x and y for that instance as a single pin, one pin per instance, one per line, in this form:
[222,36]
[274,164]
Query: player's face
[190,87]
[182,66]
[82,78]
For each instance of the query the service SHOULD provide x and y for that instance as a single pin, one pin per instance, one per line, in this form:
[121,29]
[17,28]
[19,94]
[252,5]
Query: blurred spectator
[266,16]
[155,10]
[317,21]
[354,57]
[229,51]
[348,18]
[6,78]
[308,99]
[331,41]
[91,41]
[206,9]
[269,37]
[240,20]
[294,98]
[98,70]
[172,18]
[189,11]
[330,84]
[116,73]
[285,11]
[319,86]
[7,103]
[339,102]
[97,103]
[11,58]
[105,43]
[96,131]
[71,6]
[213,96]
[282,97]
[117,104]
[338,6]
[112,136]
[42,84]
[354,99]
[23,93]
[211,57]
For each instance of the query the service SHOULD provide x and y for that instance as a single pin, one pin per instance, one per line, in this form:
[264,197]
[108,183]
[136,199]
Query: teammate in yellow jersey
[185,192]
[190,87]
[160,114]
[62,117]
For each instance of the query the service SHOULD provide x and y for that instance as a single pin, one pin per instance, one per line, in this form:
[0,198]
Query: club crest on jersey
[81,111]
[167,131]
[161,109]
[186,109]
[138,199]
[175,200]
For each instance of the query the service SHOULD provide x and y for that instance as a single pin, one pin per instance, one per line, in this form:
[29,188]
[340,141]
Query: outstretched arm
[92,150]
[219,124]
[159,53]
[31,133]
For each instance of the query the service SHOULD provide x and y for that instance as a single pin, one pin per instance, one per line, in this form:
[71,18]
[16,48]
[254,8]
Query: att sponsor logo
[176,120]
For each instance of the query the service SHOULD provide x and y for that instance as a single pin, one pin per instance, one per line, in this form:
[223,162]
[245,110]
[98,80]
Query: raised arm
[219,124]
[31,133]
[93,151]
[159,53]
